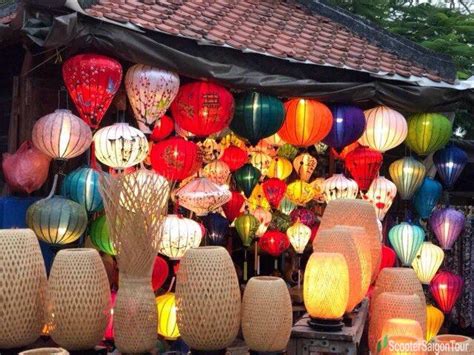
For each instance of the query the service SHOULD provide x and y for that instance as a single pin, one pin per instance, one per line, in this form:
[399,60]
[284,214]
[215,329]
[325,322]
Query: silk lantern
[446,288]
[246,226]
[178,235]
[287,151]
[163,127]
[160,273]
[299,235]
[407,174]
[263,147]
[385,129]
[246,178]
[61,135]
[300,192]
[92,80]
[234,157]
[447,224]
[427,196]
[304,165]
[274,190]
[287,206]
[306,122]
[217,171]
[257,199]
[109,331]
[182,132]
[406,239]
[150,92]
[346,150]
[82,186]
[275,140]
[166,311]
[217,229]
[388,257]
[364,165]
[381,194]
[175,158]
[203,108]
[261,161]
[264,218]
[280,168]
[233,208]
[230,139]
[100,236]
[120,146]
[210,150]
[338,186]
[434,321]
[274,242]
[427,262]
[257,116]
[348,125]
[449,163]
[57,220]
[304,215]
[428,132]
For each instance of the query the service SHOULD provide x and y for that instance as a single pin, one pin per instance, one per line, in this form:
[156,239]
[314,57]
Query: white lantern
[217,171]
[381,194]
[61,135]
[304,165]
[261,161]
[338,186]
[299,235]
[264,217]
[178,235]
[120,146]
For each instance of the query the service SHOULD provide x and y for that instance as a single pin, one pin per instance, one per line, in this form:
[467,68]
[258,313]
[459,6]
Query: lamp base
[208,352]
[253,352]
[326,325]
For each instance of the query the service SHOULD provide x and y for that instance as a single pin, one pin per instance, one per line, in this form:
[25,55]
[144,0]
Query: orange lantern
[434,321]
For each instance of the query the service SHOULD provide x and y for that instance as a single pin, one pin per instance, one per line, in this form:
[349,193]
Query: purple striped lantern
[447,224]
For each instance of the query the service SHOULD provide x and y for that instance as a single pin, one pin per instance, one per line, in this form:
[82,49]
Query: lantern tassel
[245,276]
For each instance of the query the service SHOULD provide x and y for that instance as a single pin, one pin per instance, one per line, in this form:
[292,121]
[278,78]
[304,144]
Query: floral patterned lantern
[274,242]
[447,224]
[407,174]
[163,127]
[217,171]
[257,199]
[261,161]
[178,235]
[428,132]
[280,168]
[92,80]
[304,215]
[406,239]
[446,288]
[233,208]
[299,235]
[304,165]
[264,217]
[246,178]
[427,196]
[427,262]
[210,150]
[300,192]
[381,194]
[348,126]
[150,92]
[234,157]
[450,162]
[364,165]
[338,186]
[274,190]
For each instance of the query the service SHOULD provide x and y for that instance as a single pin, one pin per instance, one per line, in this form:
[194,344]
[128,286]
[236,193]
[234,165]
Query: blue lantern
[82,186]
[427,196]
[449,163]
[217,228]
[348,125]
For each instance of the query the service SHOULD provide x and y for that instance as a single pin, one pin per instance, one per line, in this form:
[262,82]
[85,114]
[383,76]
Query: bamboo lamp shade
[217,171]
[402,327]
[280,168]
[458,344]
[266,314]
[100,236]
[381,194]
[300,192]
[428,132]
[434,321]
[338,186]
[208,299]
[166,310]
[178,235]
[326,285]
[299,235]
[407,174]
[427,262]
[304,165]
[406,239]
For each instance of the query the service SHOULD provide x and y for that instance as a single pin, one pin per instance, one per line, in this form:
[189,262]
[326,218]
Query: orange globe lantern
[434,321]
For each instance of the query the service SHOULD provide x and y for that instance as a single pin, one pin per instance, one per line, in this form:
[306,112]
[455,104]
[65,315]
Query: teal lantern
[427,196]
[287,206]
[257,116]
[246,178]
[82,186]
[100,236]
[406,239]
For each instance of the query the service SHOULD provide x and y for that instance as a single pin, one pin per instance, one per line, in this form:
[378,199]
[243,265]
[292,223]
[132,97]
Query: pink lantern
[447,224]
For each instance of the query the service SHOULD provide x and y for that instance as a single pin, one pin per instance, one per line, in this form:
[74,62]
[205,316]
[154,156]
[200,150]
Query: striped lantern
[100,236]
[166,311]
[280,168]
[381,194]
[446,288]
[364,165]
[406,239]
[428,132]
[82,186]
[447,224]
[348,126]
[299,235]
[407,174]
[427,196]
[427,262]
[434,321]
[178,235]
[450,163]
[338,186]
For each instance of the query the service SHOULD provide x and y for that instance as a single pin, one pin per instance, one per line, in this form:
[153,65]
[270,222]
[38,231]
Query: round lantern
[175,158]
[388,257]
[280,168]
[233,207]
[264,218]
[261,161]
[178,235]
[427,196]
[318,186]
[217,229]
[299,235]
[246,226]
[120,146]
[257,199]
[274,190]
[234,157]
[338,186]
[203,108]
[348,125]
[300,192]
[406,239]
[446,288]
[92,80]
[246,178]
[217,171]
[427,262]
[407,174]
[304,165]
[428,132]
[202,196]
[82,186]
[434,321]
[274,242]
[364,165]
[160,273]
[385,129]
[163,127]
[210,150]
[447,224]
[166,310]
[275,140]
[306,122]
[61,135]
[57,220]
[304,215]
[100,236]
[150,92]
[449,163]
[257,116]
[286,206]
[381,194]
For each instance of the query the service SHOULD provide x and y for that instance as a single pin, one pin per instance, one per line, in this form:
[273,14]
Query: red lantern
[160,272]
[274,190]
[346,150]
[274,242]
[109,330]
[92,81]
[303,215]
[163,128]
[232,209]
[364,164]
[175,158]
[446,288]
[314,232]
[234,157]
[203,108]
[388,257]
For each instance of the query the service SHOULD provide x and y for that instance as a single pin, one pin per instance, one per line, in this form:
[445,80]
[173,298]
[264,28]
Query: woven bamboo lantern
[22,288]
[402,327]
[427,262]
[208,299]
[407,174]
[78,299]
[434,321]
[166,309]
[178,234]
[338,186]
[457,344]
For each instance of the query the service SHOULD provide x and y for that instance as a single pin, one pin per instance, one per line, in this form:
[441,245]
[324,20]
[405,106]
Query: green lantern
[100,236]
[280,221]
[406,239]
[257,116]
[287,206]
[287,151]
[246,226]
[428,132]
[247,178]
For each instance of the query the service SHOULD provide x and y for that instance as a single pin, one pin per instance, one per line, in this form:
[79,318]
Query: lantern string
[53,188]
[173,279]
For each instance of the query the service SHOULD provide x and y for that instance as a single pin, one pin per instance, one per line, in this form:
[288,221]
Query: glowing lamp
[428,132]
[109,330]
[246,178]
[275,140]
[447,224]
[406,239]
[217,229]
[160,273]
[234,157]
[434,321]
[210,150]
[381,194]
[178,235]
[233,208]
[402,327]
[280,168]
[299,235]
[446,288]
[450,162]
[261,161]
[257,199]
[100,236]
[287,206]
[274,190]
[427,196]
[166,311]
[274,242]
[348,126]
[264,218]
[338,186]
[407,174]
[217,171]
[163,127]
[304,165]
[300,192]
[389,257]
[427,262]
[364,165]
[82,186]
[247,227]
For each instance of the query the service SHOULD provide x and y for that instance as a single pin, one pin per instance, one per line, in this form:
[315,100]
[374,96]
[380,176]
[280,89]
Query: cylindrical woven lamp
[22,288]
[208,299]
[427,262]
[434,321]
[266,314]
[45,351]
[456,344]
[78,299]
[401,327]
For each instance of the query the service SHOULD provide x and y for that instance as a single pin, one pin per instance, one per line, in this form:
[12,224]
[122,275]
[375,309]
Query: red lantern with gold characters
[233,208]
[234,157]
[274,242]
[164,126]
[364,165]
[274,190]
[203,108]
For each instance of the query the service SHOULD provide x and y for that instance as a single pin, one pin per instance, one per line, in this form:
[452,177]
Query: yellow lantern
[217,171]
[304,165]
[210,150]
[402,326]
[300,192]
[434,321]
[427,262]
[299,235]
[258,199]
[178,235]
[318,186]
[338,186]
[326,289]
[166,310]
[407,174]
[275,140]
[280,168]
[261,161]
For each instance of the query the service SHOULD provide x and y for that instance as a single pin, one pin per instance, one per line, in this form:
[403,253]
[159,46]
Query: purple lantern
[447,224]
[303,215]
[348,125]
